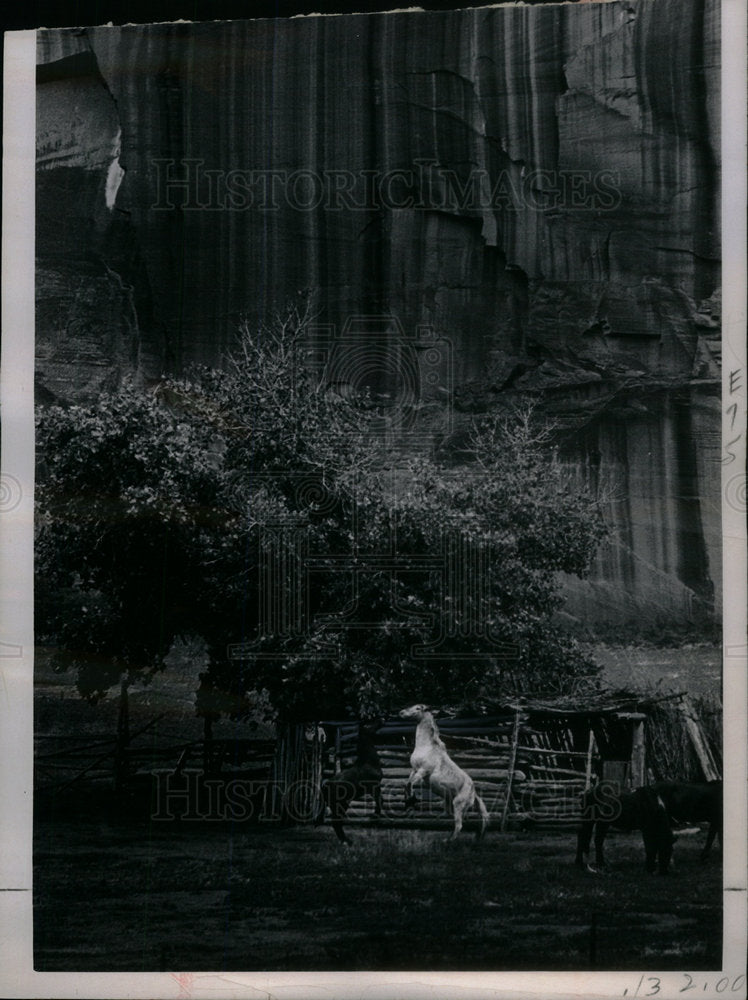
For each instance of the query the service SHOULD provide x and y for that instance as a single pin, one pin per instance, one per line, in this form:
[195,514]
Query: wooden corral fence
[529,761]
[482,746]
[523,773]
[65,761]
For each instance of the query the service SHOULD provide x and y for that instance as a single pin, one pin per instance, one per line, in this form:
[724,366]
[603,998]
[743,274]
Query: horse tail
[484,817]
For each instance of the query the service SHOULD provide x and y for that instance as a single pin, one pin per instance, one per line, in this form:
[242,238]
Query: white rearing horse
[431,761]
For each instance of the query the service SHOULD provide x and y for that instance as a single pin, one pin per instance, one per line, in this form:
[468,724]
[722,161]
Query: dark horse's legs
[586,829]
[363,777]
[601,832]
[584,837]
[715,829]
[337,825]
[640,809]
[651,850]
[658,848]
[346,794]
[657,834]
[338,795]
[591,823]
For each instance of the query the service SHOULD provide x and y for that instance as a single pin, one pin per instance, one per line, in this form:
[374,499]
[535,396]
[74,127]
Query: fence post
[699,743]
[588,766]
[338,765]
[123,737]
[287,766]
[638,768]
[510,775]
[278,771]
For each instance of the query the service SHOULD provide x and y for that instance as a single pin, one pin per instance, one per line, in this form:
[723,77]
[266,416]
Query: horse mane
[427,716]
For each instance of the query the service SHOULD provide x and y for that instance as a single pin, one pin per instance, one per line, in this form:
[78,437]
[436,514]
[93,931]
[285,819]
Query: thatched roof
[590,704]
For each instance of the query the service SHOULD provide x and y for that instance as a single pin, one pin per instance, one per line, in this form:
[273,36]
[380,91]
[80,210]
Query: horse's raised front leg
[416,775]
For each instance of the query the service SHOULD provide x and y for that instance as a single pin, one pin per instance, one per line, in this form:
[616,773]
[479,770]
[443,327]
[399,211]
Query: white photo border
[17,977]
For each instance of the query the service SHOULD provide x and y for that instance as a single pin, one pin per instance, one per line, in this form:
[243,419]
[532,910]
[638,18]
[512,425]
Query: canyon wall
[530,194]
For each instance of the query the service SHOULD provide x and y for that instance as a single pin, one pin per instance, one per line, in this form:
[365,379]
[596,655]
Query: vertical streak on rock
[693,565]
[607,312]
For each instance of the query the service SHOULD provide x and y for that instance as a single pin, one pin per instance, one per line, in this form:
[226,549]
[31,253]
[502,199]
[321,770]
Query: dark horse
[604,806]
[694,802]
[363,777]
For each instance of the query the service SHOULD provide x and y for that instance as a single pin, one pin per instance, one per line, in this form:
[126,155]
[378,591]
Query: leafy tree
[254,505]
[126,498]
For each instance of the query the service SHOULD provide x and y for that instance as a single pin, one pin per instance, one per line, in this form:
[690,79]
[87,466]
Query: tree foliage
[127,496]
[256,507]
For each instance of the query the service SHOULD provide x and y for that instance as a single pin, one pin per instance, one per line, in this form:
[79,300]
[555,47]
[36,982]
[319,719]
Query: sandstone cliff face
[537,185]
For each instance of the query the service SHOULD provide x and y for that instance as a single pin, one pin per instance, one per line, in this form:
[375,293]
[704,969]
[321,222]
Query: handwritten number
[690,985]
[733,456]
[656,988]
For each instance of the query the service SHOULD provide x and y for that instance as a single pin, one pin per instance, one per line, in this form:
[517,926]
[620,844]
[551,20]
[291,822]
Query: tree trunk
[297,772]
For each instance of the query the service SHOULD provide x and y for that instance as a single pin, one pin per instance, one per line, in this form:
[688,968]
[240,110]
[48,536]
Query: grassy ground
[116,895]
[693,668]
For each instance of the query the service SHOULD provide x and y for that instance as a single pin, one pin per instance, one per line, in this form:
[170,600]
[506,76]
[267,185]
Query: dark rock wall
[537,184]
